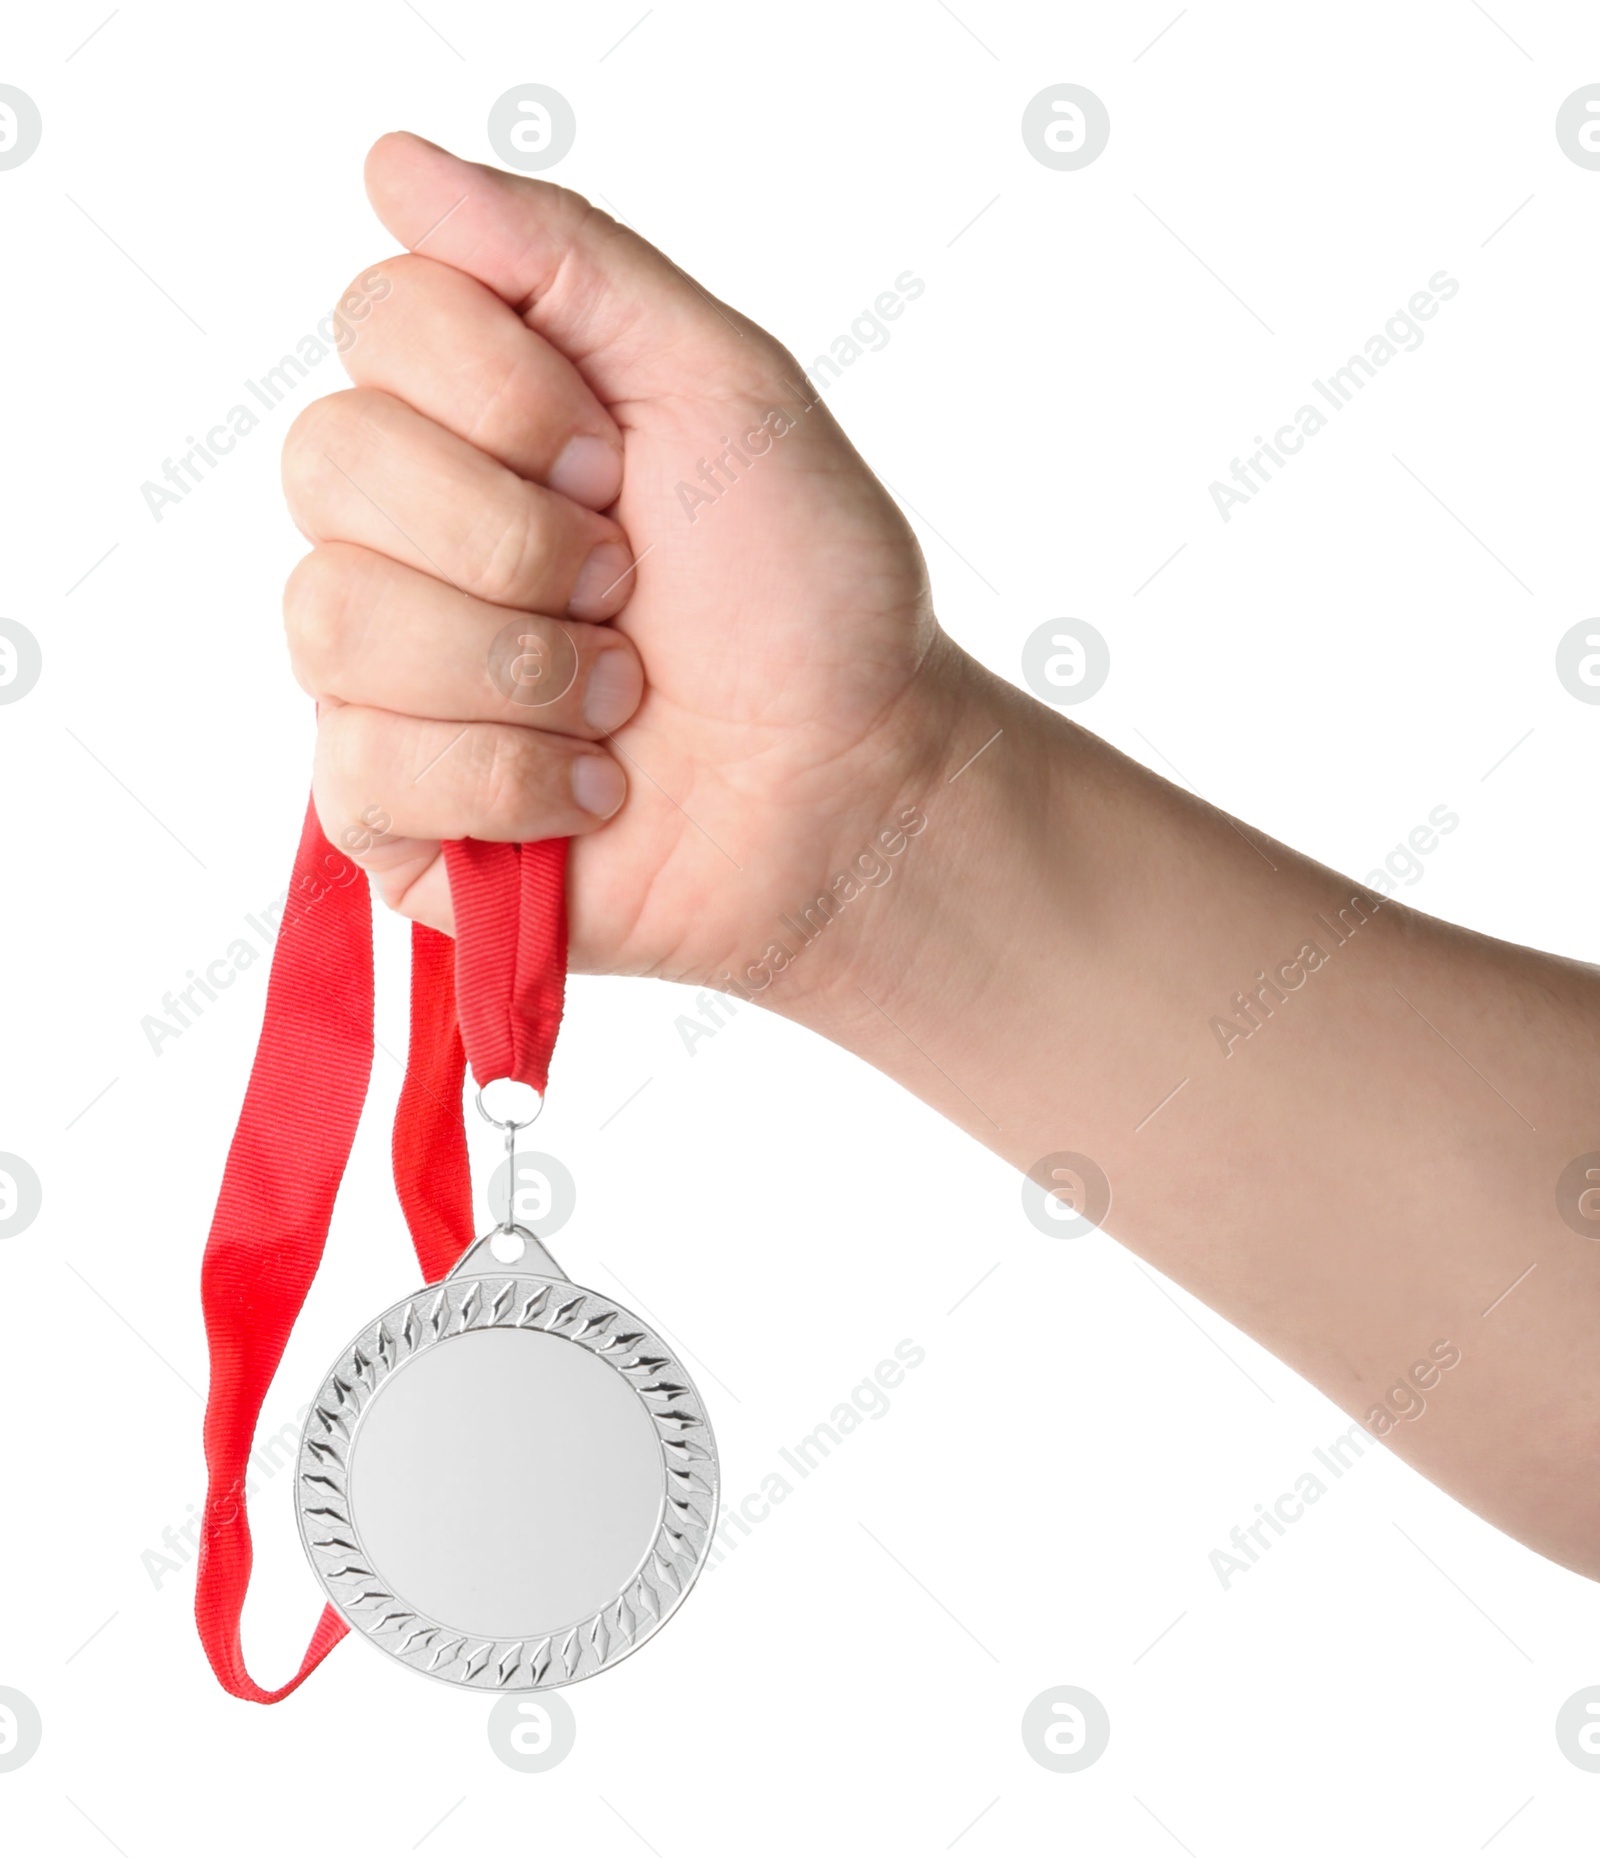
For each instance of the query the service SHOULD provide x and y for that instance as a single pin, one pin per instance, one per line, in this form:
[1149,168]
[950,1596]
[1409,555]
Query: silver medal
[507,1481]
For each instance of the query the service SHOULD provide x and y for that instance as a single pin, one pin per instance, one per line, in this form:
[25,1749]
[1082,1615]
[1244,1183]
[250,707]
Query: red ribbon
[493,996]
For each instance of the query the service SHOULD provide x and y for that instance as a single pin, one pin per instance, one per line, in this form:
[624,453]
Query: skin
[767,695]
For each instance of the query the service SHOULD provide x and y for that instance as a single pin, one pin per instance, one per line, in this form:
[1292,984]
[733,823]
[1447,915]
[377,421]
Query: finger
[412,879]
[389,790]
[412,777]
[448,346]
[637,326]
[361,466]
[367,630]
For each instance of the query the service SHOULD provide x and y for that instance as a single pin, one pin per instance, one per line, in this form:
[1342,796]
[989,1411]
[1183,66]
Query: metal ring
[494,1122]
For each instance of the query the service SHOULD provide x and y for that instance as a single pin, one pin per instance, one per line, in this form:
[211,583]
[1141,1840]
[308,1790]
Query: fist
[589,560]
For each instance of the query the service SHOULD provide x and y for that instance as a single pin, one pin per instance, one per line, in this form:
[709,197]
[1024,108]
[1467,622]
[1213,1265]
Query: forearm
[1338,1122]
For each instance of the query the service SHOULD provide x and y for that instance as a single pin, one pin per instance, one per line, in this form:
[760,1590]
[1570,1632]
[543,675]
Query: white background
[1343,656]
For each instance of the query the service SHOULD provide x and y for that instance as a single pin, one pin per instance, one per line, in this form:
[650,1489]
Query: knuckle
[502,553]
[317,617]
[330,424]
[324,448]
[367,288]
[513,771]
[317,429]
[347,739]
[354,749]
[312,428]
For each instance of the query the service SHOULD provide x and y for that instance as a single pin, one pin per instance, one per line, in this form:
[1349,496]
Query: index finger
[448,346]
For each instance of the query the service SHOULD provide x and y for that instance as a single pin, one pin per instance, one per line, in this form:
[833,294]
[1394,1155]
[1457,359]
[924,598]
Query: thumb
[638,326]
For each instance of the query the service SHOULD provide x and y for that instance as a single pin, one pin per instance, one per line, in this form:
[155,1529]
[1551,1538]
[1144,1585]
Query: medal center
[506,1483]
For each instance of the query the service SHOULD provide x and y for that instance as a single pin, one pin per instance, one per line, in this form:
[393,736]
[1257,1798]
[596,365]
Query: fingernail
[612,694]
[589,471]
[601,589]
[598,785]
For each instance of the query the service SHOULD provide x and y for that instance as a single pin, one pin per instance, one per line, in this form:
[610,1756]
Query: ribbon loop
[511,954]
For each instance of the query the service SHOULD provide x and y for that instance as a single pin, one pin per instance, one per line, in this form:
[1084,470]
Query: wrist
[958,867]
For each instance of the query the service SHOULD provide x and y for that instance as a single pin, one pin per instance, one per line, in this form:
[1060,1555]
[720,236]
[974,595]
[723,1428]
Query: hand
[733,719]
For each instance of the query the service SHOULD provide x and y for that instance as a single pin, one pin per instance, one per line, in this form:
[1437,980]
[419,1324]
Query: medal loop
[508,1226]
[506,1122]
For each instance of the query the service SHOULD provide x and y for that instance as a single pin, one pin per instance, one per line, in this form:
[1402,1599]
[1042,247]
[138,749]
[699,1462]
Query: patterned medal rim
[586,1319]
